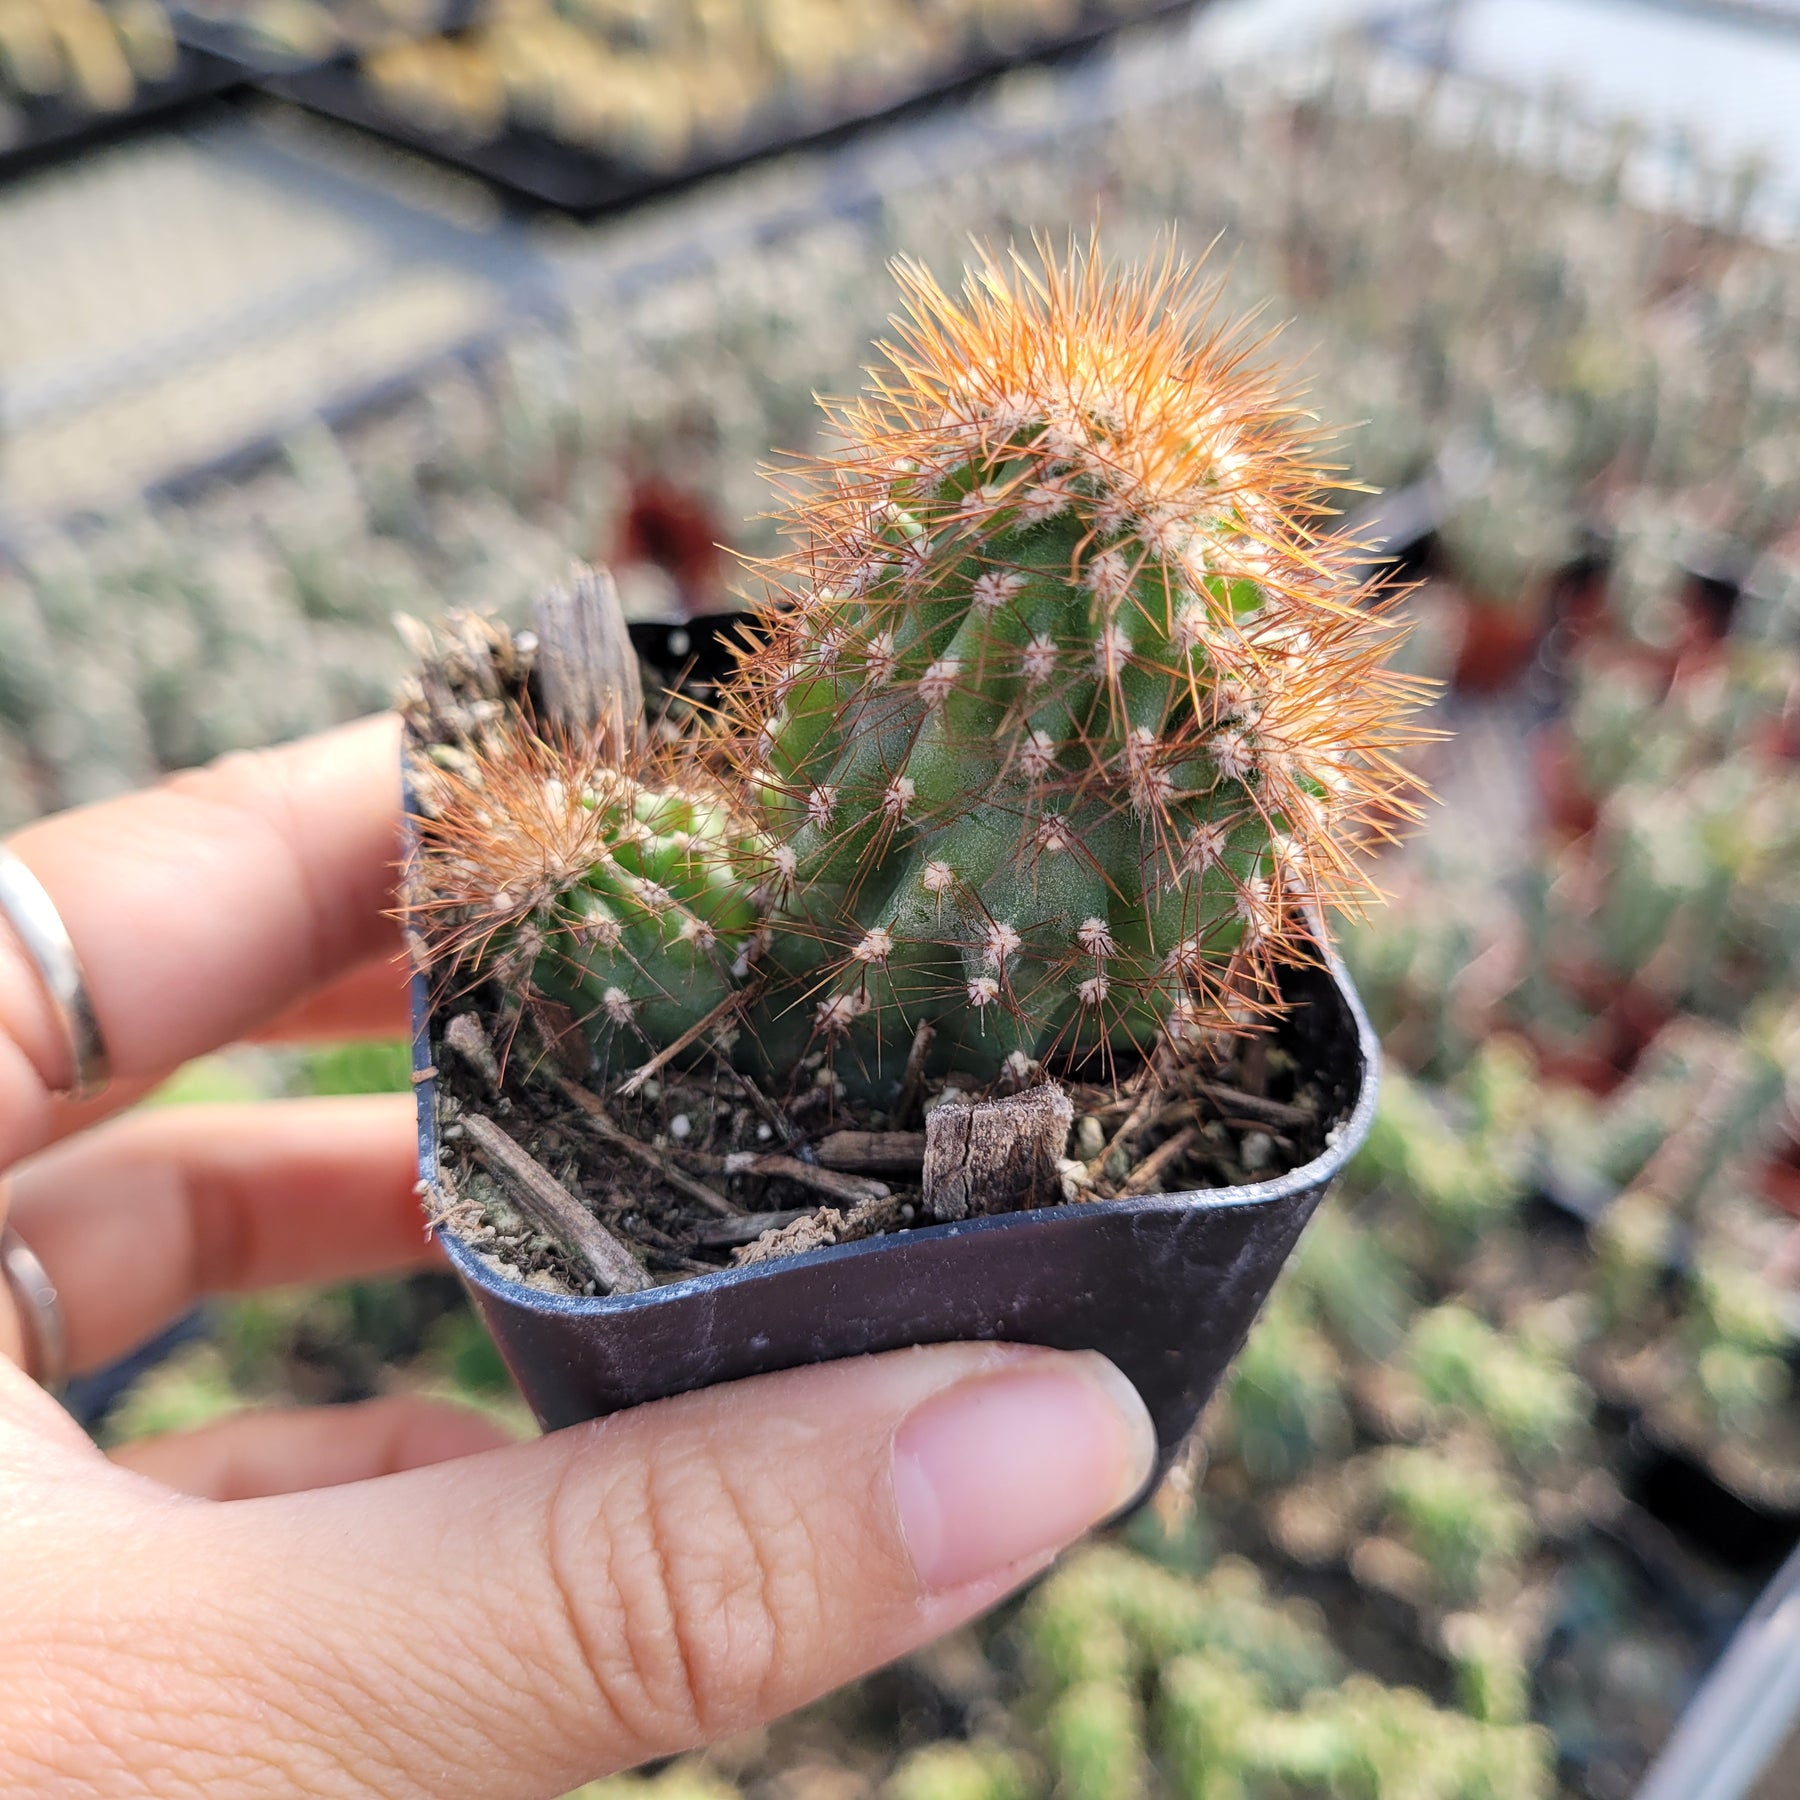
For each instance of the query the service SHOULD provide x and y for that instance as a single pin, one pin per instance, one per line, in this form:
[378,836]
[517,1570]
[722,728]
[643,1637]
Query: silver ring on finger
[40,1312]
[38,926]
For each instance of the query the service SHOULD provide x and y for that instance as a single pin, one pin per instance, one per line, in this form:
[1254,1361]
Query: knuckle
[691,1590]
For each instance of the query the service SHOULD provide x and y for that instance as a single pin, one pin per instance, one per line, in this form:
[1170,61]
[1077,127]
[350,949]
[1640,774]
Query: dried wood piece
[873,1152]
[733,1234]
[586,670]
[466,1036]
[819,1230]
[602,1126]
[912,1077]
[554,1210]
[997,1155]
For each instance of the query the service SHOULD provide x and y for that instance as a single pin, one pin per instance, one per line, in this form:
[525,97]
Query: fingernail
[1014,1465]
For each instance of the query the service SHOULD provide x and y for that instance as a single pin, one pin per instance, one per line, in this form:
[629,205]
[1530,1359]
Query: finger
[137,1220]
[370,1001]
[253,1455]
[203,908]
[511,1624]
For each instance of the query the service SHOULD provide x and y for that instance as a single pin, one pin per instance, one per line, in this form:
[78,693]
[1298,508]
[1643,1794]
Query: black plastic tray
[235,44]
[55,126]
[543,169]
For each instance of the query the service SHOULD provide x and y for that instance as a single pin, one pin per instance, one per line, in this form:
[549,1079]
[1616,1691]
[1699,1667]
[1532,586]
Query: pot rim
[1345,1138]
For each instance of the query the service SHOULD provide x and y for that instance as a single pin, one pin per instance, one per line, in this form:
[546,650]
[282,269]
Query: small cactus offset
[1064,728]
[1074,712]
[615,877]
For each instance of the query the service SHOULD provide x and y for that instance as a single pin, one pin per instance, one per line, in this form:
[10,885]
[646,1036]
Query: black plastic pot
[1166,1286]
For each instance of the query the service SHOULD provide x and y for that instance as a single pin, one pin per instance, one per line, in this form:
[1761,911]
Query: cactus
[949,1771]
[1287,1407]
[1072,717]
[1463,1365]
[1069,720]
[624,883]
[1465,1522]
[1095,1736]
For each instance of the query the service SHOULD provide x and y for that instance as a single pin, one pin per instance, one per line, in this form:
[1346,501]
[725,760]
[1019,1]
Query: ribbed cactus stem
[1073,716]
[660,926]
[625,886]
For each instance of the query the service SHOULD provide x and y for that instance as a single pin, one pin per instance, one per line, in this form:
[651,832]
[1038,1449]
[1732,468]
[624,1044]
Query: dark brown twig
[1256,1106]
[772,1165]
[602,1126]
[729,1234]
[1147,1176]
[554,1210]
[912,1077]
[634,1082]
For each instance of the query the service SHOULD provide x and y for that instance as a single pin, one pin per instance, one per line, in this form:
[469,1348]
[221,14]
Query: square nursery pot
[1165,1285]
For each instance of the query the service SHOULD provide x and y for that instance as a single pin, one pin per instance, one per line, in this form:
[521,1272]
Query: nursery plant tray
[545,169]
[1166,1285]
[231,34]
[55,125]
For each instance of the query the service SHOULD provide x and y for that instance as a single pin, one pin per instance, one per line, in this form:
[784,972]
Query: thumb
[518,1622]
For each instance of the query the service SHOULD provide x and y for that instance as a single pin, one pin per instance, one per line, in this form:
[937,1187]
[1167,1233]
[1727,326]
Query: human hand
[389,1599]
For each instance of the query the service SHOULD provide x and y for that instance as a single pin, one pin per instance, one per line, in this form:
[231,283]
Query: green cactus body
[628,886]
[952,1771]
[1463,1365]
[646,944]
[1467,1523]
[1060,736]
[1001,803]
[1096,1740]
